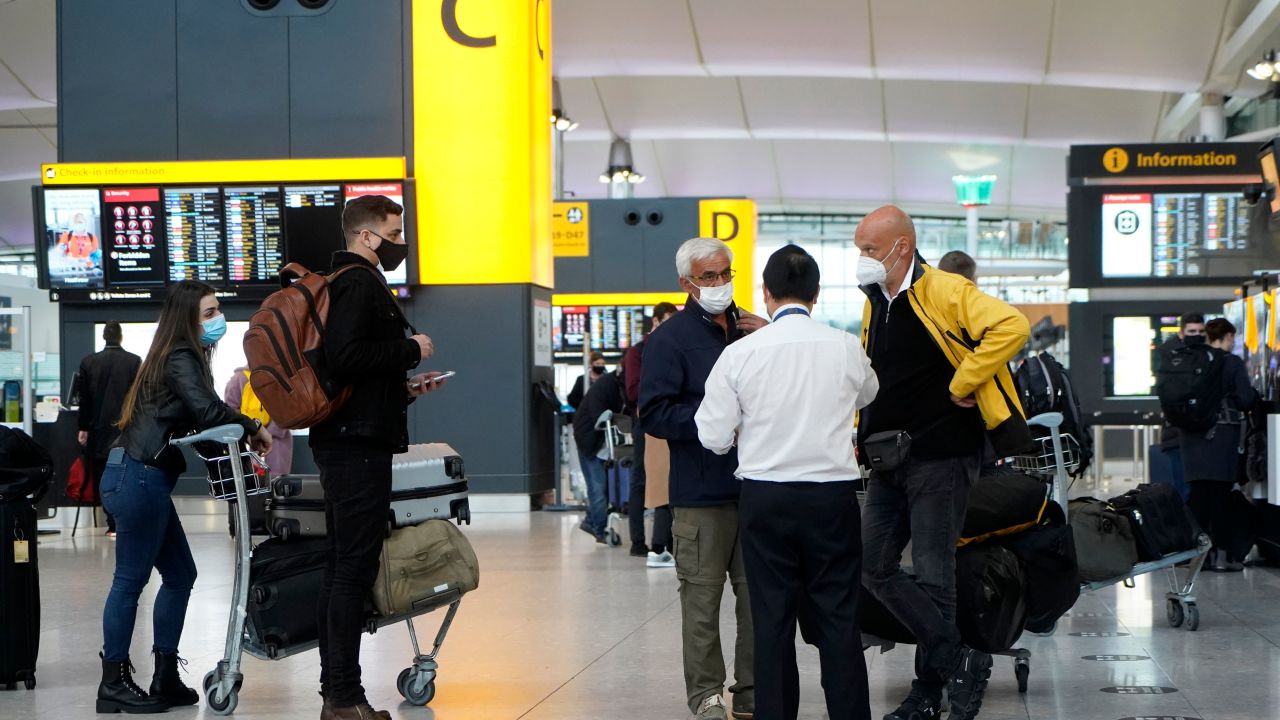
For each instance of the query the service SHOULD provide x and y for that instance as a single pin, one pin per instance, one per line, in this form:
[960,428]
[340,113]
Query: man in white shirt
[787,396]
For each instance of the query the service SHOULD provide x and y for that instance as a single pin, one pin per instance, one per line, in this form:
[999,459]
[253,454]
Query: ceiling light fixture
[561,121]
[620,168]
[1266,69]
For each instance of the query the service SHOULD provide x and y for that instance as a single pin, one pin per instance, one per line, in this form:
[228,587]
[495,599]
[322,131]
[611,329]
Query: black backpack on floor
[1189,385]
[991,597]
[1044,386]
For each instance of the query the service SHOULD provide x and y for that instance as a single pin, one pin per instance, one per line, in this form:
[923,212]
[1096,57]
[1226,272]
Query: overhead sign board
[1163,160]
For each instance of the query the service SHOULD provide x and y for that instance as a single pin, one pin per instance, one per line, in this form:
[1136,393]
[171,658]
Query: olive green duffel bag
[421,562]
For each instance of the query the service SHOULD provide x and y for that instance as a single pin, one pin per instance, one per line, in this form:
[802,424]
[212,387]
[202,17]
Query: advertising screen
[313,224]
[194,219]
[573,329]
[73,238]
[255,234]
[394,191]
[134,232]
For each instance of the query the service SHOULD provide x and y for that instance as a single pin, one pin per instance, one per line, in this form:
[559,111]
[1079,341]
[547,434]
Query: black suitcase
[1048,555]
[991,597]
[284,592]
[1161,522]
[19,595]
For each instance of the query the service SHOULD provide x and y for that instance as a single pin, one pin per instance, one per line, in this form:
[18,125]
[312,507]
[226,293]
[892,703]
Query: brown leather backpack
[284,346]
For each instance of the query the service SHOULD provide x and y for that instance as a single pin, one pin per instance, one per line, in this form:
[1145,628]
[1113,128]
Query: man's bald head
[879,230]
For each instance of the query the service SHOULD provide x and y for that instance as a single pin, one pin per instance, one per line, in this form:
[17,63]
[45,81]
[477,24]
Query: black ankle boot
[119,693]
[166,683]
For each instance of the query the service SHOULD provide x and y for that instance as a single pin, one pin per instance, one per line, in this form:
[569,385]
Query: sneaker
[639,550]
[917,706]
[665,560]
[968,683]
[712,708]
[111,534]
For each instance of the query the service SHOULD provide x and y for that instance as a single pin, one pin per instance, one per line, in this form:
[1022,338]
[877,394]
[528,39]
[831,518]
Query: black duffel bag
[1002,502]
[1048,555]
[991,599]
[1161,522]
[1105,548]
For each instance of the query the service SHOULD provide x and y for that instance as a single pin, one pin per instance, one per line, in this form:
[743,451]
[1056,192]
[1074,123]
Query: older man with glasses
[678,358]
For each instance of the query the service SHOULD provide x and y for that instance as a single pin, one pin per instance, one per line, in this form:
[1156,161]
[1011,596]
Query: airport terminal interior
[1109,167]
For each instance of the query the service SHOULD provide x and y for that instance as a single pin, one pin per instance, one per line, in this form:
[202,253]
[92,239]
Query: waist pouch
[887,450]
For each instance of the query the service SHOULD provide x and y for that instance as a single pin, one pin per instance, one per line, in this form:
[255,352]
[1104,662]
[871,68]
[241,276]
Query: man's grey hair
[699,248]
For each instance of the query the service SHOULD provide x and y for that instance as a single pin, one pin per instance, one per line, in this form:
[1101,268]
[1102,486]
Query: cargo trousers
[707,549]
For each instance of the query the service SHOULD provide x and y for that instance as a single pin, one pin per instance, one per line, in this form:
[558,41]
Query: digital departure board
[132,231]
[313,223]
[610,329]
[194,220]
[255,234]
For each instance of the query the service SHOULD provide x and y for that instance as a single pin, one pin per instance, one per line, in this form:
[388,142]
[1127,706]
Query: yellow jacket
[979,335]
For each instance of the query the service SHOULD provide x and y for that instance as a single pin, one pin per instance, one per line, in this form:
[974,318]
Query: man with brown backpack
[365,348]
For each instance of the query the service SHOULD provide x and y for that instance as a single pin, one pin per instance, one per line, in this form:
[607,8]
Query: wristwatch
[257,425]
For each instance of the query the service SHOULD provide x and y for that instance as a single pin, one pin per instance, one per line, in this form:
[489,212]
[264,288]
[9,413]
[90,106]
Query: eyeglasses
[710,277]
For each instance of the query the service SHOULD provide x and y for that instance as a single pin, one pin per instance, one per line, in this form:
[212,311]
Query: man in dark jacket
[678,358]
[366,348]
[105,378]
[657,555]
[605,394]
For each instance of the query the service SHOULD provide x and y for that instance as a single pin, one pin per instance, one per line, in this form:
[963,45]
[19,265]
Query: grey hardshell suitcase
[427,482]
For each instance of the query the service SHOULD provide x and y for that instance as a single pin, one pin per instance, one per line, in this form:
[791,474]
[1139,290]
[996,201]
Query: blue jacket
[678,357]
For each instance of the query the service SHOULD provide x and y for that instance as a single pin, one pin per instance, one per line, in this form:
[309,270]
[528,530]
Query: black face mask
[390,255]
[596,370]
[1194,339]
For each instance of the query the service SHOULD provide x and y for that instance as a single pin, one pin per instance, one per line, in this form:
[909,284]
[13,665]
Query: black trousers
[357,498]
[802,545]
[662,517]
[1217,514]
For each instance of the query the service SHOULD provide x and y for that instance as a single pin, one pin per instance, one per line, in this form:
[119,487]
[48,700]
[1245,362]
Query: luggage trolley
[620,445]
[229,481]
[1055,456]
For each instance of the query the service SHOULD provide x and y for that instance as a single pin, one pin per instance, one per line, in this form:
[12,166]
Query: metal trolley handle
[225,434]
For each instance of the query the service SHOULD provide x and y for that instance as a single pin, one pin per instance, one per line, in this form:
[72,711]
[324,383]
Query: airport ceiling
[820,104]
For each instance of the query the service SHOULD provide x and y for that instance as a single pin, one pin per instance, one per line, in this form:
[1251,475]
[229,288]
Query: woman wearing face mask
[579,386]
[172,396]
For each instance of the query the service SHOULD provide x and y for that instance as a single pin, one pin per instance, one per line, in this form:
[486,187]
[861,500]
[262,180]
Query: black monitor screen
[73,240]
[313,224]
[133,228]
[255,236]
[194,219]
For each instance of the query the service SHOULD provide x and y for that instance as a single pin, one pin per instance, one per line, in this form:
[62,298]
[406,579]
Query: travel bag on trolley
[1110,549]
[277,585]
[428,481]
[618,455]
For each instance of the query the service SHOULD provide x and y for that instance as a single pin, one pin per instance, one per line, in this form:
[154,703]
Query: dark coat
[367,348]
[105,379]
[604,394]
[184,403]
[1215,454]
[678,357]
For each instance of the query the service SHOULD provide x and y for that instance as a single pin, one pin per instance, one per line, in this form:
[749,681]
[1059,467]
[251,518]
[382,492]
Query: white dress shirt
[788,393]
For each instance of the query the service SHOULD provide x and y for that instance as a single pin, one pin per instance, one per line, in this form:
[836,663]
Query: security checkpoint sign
[571,229]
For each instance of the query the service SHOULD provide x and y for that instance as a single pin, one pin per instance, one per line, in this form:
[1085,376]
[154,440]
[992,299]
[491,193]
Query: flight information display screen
[132,220]
[313,222]
[255,234]
[73,238]
[194,220]
[1170,235]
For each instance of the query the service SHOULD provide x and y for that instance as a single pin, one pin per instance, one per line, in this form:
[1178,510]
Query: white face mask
[715,300]
[870,271]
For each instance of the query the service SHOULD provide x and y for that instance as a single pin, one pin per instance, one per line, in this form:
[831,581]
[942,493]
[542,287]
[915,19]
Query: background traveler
[959,262]
[172,396]
[604,394]
[580,385]
[1211,458]
[940,348]
[656,552]
[105,379]
[786,395]
[678,358]
[366,348]
[280,460]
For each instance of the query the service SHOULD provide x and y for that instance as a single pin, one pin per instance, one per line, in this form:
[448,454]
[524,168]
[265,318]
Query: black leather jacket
[184,403]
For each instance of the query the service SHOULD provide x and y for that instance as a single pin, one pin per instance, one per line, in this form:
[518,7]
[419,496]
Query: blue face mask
[214,328]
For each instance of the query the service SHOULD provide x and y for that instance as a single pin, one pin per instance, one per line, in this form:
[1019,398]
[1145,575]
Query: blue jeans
[148,534]
[597,496]
[922,501]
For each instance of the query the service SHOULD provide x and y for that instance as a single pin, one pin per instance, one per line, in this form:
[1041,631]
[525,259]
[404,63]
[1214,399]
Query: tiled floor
[564,629]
